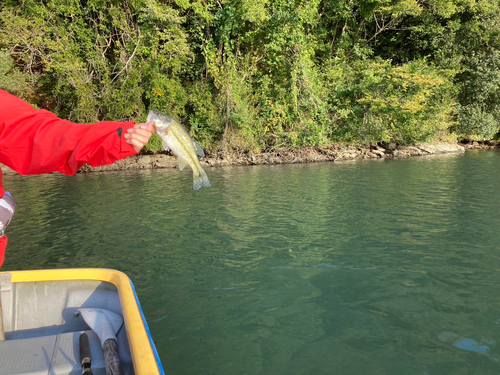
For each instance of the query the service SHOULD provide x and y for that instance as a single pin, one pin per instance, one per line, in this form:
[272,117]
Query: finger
[148,127]
[142,131]
[134,137]
[136,144]
[138,137]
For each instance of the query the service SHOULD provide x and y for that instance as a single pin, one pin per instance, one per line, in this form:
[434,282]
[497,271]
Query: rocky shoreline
[300,155]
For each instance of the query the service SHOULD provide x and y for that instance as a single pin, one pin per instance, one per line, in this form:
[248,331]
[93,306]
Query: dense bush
[479,109]
[377,101]
[252,75]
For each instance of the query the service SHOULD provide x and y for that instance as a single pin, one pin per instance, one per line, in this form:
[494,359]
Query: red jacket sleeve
[37,141]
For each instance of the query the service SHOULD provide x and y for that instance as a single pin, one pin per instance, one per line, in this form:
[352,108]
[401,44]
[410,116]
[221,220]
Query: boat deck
[42,326]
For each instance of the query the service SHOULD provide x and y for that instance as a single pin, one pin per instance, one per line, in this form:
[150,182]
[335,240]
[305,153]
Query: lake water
[381,267]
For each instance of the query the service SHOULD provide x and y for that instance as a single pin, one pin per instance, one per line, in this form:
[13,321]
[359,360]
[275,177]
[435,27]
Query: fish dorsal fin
[182,164]
[198,149]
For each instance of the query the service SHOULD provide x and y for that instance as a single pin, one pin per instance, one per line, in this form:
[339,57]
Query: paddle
[106,324]
[85,357]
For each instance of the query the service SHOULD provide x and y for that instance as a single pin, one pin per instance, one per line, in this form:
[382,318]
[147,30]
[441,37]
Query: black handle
[85,357]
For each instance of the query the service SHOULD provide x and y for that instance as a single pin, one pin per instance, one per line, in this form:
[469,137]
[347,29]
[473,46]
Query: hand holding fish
[139,135]
[176,139]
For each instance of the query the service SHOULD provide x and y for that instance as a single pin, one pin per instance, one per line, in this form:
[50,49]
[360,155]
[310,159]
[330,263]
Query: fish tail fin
[200,179]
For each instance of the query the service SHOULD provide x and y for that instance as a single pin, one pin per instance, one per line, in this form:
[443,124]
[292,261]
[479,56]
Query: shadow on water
[383,267]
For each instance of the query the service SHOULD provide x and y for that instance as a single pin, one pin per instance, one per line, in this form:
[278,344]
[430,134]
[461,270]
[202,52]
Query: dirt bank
[300,155]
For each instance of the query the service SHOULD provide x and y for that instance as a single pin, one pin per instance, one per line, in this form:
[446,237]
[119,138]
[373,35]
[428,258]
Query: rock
[440,148]
[413,151]
[164,161]
[378,153]
[388,145]
[144,160]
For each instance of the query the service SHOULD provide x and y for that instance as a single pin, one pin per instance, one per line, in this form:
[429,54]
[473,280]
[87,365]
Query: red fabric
[3,245]
[36,141]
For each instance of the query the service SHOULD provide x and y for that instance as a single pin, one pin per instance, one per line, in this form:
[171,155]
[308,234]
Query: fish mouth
[152,116]
[155,118]
[160,120]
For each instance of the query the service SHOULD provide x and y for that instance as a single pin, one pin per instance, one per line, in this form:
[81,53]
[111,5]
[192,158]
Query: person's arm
[37,141]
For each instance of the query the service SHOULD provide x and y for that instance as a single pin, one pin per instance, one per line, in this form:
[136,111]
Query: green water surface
[386,267]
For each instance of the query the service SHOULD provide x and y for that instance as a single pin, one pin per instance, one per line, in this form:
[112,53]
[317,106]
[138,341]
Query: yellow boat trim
[142,355]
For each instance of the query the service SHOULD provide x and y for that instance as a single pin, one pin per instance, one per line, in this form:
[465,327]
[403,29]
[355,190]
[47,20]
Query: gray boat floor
[43,328]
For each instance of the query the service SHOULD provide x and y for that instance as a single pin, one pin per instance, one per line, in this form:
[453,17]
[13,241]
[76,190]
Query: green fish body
[176,139]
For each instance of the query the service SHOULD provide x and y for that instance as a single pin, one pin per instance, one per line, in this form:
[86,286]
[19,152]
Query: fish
[176,139]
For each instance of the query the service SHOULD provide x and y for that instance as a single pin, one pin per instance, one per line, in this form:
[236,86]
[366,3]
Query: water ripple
[274,268]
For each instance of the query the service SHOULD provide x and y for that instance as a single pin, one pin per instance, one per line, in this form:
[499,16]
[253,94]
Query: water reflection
[388,267]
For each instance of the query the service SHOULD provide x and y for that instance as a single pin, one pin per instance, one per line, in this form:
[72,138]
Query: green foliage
[479,110]
[251,75]
[11,79]
[381,102]
[94,59]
